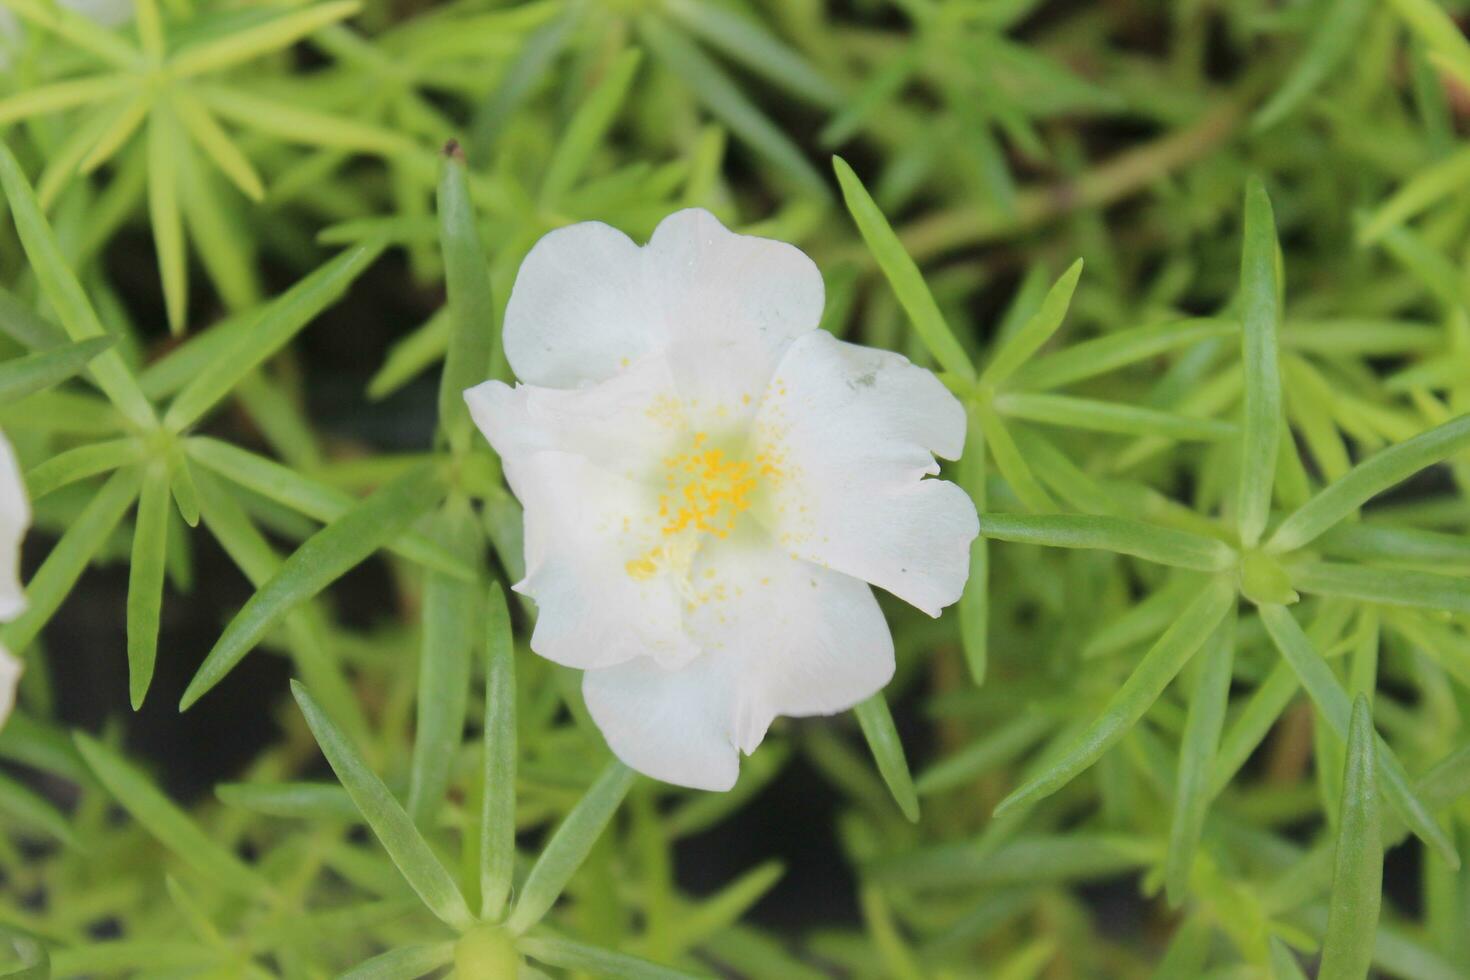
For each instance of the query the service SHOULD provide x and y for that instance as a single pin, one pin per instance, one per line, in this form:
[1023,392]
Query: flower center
[704,491]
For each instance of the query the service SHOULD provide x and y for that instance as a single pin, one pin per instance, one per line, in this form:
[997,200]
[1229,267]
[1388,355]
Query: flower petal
[671,724]
[589,534]
[625,424]
[15,519]
[850,431]
[807,640]
[779,636]
[730,306]
[579,308]
[722,306]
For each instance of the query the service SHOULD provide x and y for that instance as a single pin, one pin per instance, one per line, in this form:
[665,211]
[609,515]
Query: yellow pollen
[645,568]
[707,490]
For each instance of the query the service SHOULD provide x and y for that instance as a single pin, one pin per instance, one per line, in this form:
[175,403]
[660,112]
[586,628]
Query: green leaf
[1119,534]
[316,500]
[903,275]
[1369,478]
[26,956]
[164,215]
[270,330]
[1447,44]
[321,560]
[498,813]
[300,801]
[83,538]
[34,372]
[569,846]
[1260,315]
[59,95]
[473,342]
[1330,43]
[975,600]
[80,30]
[745,40]
[1427,186]
[451,611]
[1357,880]
[1010,461]
[1100,355]
[165,822]
[988,752]
[246,43]
[28,808]
[62,290]
[1397,587]
[1143,687]
[403,963]
[211,137]
[883,741]
[400,838]
[726,101]
[588,128]
[145,580]
[593,960]
[521,77]
[1091,415]
[1017,349]
[1192,787]
[1332,701]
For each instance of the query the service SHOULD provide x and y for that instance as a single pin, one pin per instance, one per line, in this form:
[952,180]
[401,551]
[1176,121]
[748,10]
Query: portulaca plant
[441,440]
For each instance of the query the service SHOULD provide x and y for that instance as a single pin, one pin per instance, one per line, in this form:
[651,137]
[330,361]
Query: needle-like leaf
[1357,882]
[1260,314]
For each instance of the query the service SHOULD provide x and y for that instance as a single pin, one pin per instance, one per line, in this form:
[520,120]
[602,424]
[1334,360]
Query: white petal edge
[15,520]
[853,431]
[583,526]
[779,636]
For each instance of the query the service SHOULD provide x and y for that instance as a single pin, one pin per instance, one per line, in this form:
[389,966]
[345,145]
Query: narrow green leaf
[301,801]
[727,101]
[1091,415]
[744,39]
[588,127]
[569,846]
[1332,701]
[1037,330]
[1188,951]
[293,123]
[79,29]
[1369,478]
[270,330]
[1120,534]
[1428,185]
[403,963]
[1330,43]
[30,809]
[165,822]
[250,42]
[451,610]
[975,600]
[1260,315]
[59,95]
[1100,355]
[165,216]
[145,580]
[1249,728]
[316,500]
[1440,34]
[984,754]
[883,741]
[61,288]
[593,960]
[903,275]
[521,77]
[321,560]
[498,813]
[211,137]
[121,129]
[473,342]
[1357,881]
[1143,687]
[1397,587]
[1010,461]
[34,372]
[82,540]
[395,831]
[1192,787]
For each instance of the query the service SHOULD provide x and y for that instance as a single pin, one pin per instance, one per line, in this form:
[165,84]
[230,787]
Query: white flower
[15,517]
[710,483]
